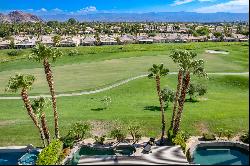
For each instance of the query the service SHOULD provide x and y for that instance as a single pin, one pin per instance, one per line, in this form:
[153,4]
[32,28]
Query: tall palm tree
[43,53]
[24,82]
[187,64]
[156,72]
[38,105]
[177,95]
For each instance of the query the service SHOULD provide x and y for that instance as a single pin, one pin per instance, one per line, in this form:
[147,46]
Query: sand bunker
[216,52]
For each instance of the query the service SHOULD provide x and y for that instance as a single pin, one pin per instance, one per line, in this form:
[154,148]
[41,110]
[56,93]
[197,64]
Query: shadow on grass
[155,108]
[98,109]
[191,100]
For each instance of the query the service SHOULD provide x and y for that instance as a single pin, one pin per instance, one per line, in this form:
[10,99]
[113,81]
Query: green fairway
[225,105]
[90,71]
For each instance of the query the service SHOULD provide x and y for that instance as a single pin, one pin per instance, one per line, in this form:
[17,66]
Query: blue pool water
[221,156]
[12,158]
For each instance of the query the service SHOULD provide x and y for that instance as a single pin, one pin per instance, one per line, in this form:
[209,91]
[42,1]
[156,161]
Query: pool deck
[161,155]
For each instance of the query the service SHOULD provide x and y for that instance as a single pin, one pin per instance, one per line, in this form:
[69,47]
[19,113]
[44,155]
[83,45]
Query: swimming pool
[18,156]
[120,150]
[10,158]
[217,155]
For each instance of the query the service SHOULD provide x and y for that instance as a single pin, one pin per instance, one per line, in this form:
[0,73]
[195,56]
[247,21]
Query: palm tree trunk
[181,101]
[49,77]
[177,94]
[158,87]
[27,104]
[45,128]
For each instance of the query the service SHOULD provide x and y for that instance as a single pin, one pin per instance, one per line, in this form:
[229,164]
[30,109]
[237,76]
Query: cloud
[42,10]
[87,9]
[57,10]
[232,6]
[180,2]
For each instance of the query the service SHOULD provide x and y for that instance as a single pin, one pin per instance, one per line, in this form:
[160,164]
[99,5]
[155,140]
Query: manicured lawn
[100,66]
[225,105]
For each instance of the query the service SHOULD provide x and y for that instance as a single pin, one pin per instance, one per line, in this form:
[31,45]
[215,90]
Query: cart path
[109,87]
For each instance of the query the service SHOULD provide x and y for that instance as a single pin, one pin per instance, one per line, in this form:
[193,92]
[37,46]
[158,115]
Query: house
[70,42]
[158,39]
[47,40]
[5,44]
[27,43]
[127,39]
[87,41]
[108,41]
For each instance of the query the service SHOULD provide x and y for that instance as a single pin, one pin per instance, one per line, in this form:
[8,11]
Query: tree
[187,63]
[196,89]
[167,95]
[38,105]
[56,39]
[72,21]
[156,72]
[24,82]
[43,53]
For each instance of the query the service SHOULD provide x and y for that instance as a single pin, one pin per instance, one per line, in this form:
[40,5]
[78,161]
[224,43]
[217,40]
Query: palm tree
[187,64]
[38,105]
[24,82]
[156,72]
[177,95]
[43,53]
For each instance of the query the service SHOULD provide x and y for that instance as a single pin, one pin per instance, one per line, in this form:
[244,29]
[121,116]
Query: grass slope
[225,105]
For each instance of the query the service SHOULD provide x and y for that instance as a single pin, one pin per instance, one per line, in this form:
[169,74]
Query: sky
[43,7]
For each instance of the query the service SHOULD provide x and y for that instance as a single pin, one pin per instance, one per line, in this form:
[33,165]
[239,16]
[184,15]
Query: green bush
[68,141]
[220,132]
[14,53]
[50,154]
[245,138]
[179,139]
[228,134]
[119,134]
[73,52]
[100,139]
[135,130]
[79,130]
[208,137]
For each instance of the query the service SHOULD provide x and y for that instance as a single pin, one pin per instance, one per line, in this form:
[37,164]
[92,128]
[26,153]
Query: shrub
[179,139]
[167,95]
[220,132]
[68,141]
[208,137]
[50,154]
[196,90]
[73,52]
[135,130]
[79,130]
[118,133]
[228,134]
[100,139]
[14,53]
[245,137]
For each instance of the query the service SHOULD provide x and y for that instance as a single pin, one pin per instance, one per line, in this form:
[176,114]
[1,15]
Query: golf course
[225,105]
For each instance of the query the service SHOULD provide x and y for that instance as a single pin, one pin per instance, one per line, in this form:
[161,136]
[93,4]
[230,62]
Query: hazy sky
[92,6]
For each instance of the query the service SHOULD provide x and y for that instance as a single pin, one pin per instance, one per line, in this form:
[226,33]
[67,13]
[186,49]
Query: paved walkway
[108,87]
[163,155]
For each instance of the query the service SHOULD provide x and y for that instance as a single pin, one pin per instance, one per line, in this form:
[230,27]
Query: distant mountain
[156,17]
[18,17]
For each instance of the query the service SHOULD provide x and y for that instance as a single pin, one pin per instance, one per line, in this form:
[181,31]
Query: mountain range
[19,16]
[155,17]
